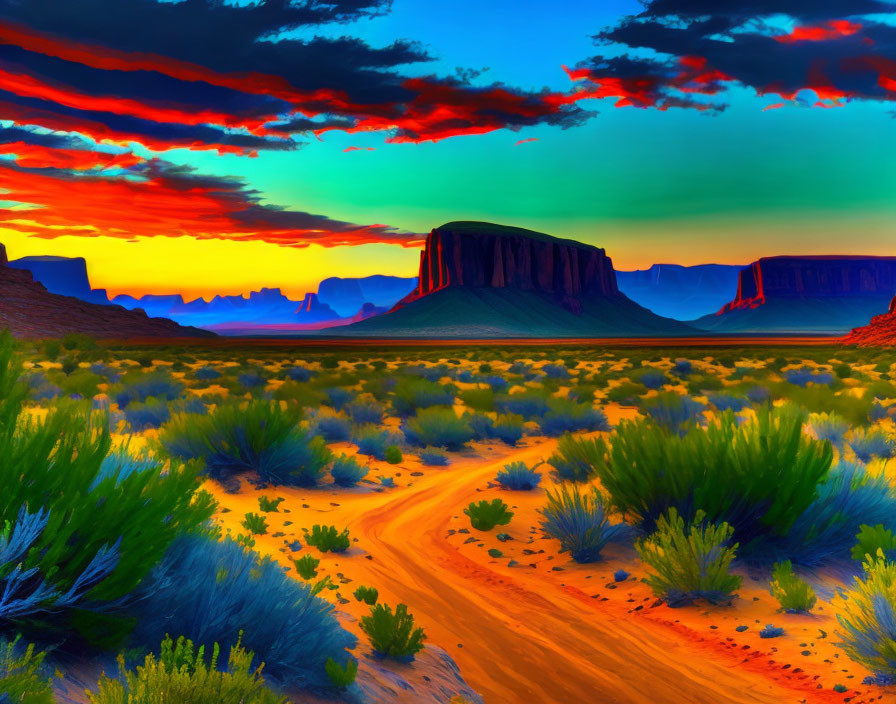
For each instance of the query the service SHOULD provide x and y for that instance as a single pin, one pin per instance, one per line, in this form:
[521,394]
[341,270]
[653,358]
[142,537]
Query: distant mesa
[347,296]
[66,276]
[681,292]
[484,280]
[28,309]
[880,332]
[811,294]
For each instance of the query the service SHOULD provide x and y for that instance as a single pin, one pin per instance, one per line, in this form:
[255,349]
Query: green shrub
[327,538]
[368,595]
[257,437]
[393,635]
[793,594]
[54,466]
[867,613]
[573,461]
[871,540]
[486,515]
[69,365]
[182,674]
[21,675]
[52,348]
[438,427]
[393,454]
[341,677]
[579,522]
[689,562]
[255,524]
[482,399]
[758,476]
[269,505]
[306,567]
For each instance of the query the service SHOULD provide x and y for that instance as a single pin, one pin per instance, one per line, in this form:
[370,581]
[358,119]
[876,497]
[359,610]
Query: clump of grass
[21,674]
[393,634]
[518,477]
[872,541]
[689,562]
[393,454]
[579,522]
[673,411]
[565,416]
[346,471]
[508,428]
[368,595]
[868,444]
[259,436]
[306,566]
[328,538]
[866,616]
[573,460]
[485,515]
[793,594]
[269,505]
[438,427]
[341,677]
[182,674]
[830,427]
[432,458]
[255,523]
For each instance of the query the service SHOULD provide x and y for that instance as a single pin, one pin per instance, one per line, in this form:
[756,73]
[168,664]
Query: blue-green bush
[518,476]
[432,458]
[438,427]
[362,412]
[332,428]
[346,471]
[673,411]
[151,414]
[579,521]
[565,416]
[868,444]
[210,591]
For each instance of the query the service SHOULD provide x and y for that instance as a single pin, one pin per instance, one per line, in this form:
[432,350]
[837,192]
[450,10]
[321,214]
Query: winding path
[526,640]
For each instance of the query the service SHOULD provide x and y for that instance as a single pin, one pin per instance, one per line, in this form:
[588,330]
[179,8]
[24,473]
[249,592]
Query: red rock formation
[813,277]
[482,255]
[880,332]
[27,309]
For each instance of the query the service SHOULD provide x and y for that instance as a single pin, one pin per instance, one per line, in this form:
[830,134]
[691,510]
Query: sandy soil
[533,626]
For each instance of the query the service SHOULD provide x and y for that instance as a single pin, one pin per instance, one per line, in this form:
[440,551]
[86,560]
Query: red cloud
[524,141]
[36,156]
[169,205]
[834,29]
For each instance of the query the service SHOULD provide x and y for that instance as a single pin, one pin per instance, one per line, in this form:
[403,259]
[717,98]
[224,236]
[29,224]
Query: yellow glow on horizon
[204,268]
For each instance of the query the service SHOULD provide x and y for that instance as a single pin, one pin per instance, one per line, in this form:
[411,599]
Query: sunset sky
[206,147]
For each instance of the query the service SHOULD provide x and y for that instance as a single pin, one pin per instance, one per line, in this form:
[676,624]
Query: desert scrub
[573,461]
[565,416]
[868,444]
[346,471]
[331,427]
[508,428]
[139,386]
[306,567]
[76,527]
[482,399]
[151,414]
[393,634]
[209,591]
[269,505]
[22,679]
[866,616]
[578,520]
[341,677]
[255,523]
[758,476]
[518,477]
[438,427]
[830,427]
[412,394]
[873,541]
[368,595]
[256,437]
[327,538]
[689,562]
[485,515]
[793,594]
[433,458]
[183,674]
[364,412]
[673,411]
[374,442]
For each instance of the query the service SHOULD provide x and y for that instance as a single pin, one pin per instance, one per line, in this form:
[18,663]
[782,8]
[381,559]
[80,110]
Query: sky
[205,146]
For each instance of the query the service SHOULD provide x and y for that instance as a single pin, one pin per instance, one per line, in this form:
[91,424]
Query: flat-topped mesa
[880,332]
[812,277]
[483,255]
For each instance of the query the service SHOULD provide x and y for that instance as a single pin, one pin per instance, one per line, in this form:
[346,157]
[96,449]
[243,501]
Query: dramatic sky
[216,146]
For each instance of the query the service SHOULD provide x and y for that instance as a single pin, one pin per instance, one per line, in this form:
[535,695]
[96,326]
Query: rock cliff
[880,332]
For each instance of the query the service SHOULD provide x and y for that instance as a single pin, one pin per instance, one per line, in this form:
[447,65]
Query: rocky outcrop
[66,276]
[880,332]
[813,277]
[483,255]
[28,309]
[312,310]
[681,292]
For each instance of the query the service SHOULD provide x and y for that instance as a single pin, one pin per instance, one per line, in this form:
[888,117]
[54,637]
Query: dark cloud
[700,47]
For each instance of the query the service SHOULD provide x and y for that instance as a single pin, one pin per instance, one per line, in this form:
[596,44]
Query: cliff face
[29,310]
[481,255]
[813,277]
